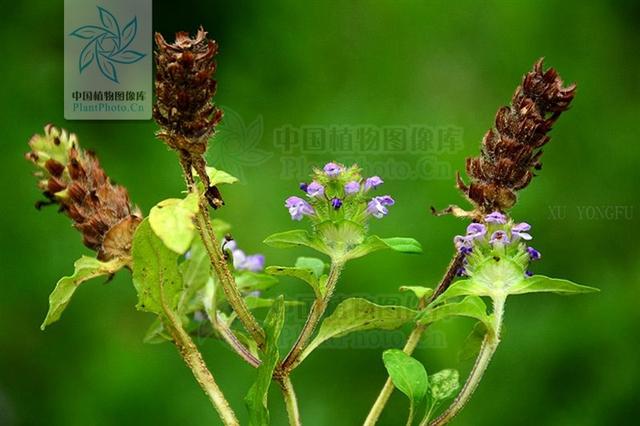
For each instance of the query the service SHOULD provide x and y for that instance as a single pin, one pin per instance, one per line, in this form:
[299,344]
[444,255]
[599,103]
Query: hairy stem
[413,339]
[195,362]
[489,345]
[230,338]
[290,400]
[315,315]
[221,269]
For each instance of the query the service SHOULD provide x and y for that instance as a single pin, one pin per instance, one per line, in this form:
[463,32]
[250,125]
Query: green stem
[290,400]
[230,338]
[221,269]
[315,315]
[412,341]
[195,362]
[388,387]
[489,345]
[411,410]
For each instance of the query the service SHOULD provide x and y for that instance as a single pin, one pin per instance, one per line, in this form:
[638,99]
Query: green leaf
[407,374]
[420,292]
[444,384]
[374,243]
[464,288]
[195,270]
[86,268]
[254,302]
[156,333]
[257,397]
[248,281]
[470,306]
[358,314]
[172,221]
[540,283]
[155,272]
[314,264]
[295,238]
[473,342]
[216,177]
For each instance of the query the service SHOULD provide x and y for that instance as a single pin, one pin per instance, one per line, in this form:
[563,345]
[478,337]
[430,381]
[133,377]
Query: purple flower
[314,189]
[499,237]
[528,274]
[533,253]
[372,182]
[519,230]
[496,217]
[377,206]
[332,169]
[298,208]
[242,262]
[304,186]
[476,231]
[230,245]
[352,187]
[463,244]
[461,272]
[336,203]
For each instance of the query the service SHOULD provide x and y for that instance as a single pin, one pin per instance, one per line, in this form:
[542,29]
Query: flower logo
[107,45]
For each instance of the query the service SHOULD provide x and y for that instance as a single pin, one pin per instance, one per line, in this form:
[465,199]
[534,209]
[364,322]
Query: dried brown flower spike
[184,94]
[73,179]
[511,150]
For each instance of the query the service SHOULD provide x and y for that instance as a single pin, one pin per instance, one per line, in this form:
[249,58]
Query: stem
[221,269]
[388,387]
[218,261]
[230,338]
[414,338]
[410,418]
[290,400]
[488,348]
[195,362]
[315,315]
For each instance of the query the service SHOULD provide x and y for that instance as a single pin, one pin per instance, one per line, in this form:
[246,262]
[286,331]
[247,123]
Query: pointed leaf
[374,243]
[172,221]
[470,306]
[257,397]
[314,264]
[127,57]
[358,314]
[407,374]
[419,291]
[444,384]
[303,274]
[107,68]
[108,21]
[540,283]
[129,33]
[86,268]
[88,32]
[195,272]
[294,238]
[216,177]
[248,281]
[155,272]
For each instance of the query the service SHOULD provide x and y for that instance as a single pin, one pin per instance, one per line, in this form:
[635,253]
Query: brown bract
[184,92]
[74,180]
[511,151]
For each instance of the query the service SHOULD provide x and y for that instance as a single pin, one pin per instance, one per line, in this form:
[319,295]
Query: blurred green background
[563,361]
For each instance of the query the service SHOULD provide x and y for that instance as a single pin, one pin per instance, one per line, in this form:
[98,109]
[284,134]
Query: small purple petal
[336,203]
[463,244]
[352,187]
[461,272]
[253,263]
[496,217]
[476,230]
[519,231]
[229,245]
[315,189]
[528,274]
[304,186]
[298,208]
[499,237]
[377,206]
[533,253]
[332,169]
[372,182]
